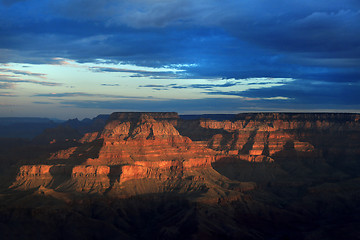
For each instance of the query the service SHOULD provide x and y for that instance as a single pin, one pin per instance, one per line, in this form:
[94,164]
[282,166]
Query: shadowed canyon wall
[160,145]
[158,176]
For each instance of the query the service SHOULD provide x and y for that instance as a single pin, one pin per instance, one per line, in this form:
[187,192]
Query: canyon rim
[158,175]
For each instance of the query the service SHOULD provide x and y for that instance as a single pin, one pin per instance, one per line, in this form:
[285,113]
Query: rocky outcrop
[89,137]
[285,121]
[100,178]
[63,154]
[266,134]
[160,170]
[89,178]
[139,137]
[135,146]
[131,146]
[32,176]
[259,176]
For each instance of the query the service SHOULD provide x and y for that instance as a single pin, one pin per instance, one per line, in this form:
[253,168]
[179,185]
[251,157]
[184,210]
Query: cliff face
[259,176]
[287,121]
[332,136]
[141,137]
[135,146]
[132,146]
[31,176]
[259,139]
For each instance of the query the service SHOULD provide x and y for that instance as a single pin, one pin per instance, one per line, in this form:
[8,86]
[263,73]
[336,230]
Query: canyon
[252,176]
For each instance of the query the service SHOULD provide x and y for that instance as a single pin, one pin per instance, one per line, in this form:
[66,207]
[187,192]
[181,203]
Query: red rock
[32,176]
[34,170]
[63,154]
[89,137]
[198,162]
[131,172]
[148,145]
[129,139]
[89,179]
[90,171]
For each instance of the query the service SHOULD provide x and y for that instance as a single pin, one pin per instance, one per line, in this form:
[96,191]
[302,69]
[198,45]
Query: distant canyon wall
[165,148]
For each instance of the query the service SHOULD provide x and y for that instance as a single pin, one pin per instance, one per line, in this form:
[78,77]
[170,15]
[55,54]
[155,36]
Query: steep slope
[141,145]
[132,146]
[135,146]
[156,176]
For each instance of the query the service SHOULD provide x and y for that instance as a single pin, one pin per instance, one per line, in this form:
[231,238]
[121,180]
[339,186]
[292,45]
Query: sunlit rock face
[256,134]
[159,146]
[258,176]
[137,137]
[31,176]
[131,146]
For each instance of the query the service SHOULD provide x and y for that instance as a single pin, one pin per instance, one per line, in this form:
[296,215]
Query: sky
[80,58]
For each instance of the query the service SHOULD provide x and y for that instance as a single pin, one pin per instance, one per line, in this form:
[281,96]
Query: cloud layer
[315,43]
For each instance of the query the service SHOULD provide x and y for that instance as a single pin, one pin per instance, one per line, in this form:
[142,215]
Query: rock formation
[136,146]
[133,145]
[157,176]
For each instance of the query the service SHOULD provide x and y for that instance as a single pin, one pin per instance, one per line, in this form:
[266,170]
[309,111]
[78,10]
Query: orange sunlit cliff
[256,176]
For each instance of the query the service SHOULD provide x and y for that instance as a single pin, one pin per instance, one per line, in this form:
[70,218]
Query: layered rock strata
[260,176]
[132,146]
[161,146]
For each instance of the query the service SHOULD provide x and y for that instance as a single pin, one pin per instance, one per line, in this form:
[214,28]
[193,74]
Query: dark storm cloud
[322,32]
[225,85]
[315,41]
[10,2]
[308,93]
[334,75]
[327,29]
